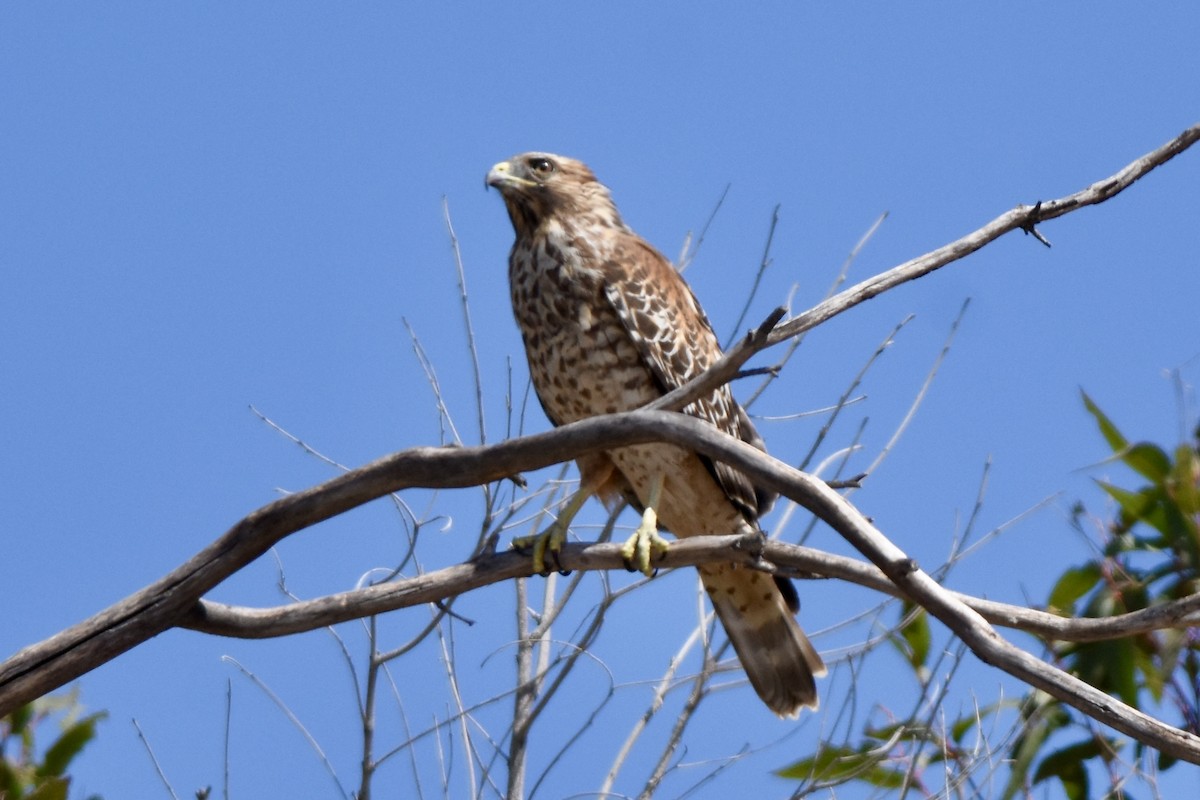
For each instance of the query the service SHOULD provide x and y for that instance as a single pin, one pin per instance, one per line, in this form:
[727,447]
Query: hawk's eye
[541,166]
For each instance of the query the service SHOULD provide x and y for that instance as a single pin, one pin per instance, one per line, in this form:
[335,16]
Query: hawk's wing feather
[676,342]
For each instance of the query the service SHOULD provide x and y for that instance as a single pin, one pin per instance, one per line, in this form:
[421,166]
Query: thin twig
[920,397]
[228,720]
[154,760]
[444,416]
[691,248]
[661,687]
[845,398]
[472,349]
[446,645]
[292,718]
[838,280]
[523,697]
[763,264]
[367,710]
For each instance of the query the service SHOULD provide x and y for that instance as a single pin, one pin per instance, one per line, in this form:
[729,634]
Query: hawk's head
[541,186]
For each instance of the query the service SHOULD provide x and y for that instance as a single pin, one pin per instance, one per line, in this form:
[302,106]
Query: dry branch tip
[1030,225]
[761,333]
[773,371]
[853,482]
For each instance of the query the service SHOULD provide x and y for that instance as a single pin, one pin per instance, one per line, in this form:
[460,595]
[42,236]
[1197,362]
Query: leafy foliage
[1150,555]
[28,772]
[841,764]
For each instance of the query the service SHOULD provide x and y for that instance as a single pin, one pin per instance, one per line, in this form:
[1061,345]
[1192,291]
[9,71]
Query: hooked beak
[502,177]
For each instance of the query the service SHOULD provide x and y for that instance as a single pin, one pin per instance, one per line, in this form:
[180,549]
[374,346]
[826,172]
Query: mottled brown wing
[676,342]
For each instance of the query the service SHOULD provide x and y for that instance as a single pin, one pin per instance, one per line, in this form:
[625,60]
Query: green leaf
[1109,666]
[1043,715]
[1154,673]
[1183,491]
[10,784]
[1068,765]
[68,745]
[19,719]
[1109,431]
[904,732]
[887,732]
[842,765]
[1185,480]
[1072,585]
[50,789]
[916,634]
[964,724]
[1144,506]
[1149,461]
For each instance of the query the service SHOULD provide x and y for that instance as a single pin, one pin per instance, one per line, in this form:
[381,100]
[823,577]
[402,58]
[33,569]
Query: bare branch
[1020,218]
[791,560]
[690,247]
[461,275]
[42,667]
[763,265]
[920,397]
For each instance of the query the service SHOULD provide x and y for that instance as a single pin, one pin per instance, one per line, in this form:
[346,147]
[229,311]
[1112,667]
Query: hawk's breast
[581,358]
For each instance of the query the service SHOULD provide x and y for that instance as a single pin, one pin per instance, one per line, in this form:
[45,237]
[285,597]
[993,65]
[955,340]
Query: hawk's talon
[554,555]
[548,541]
[644,545]
[554,537]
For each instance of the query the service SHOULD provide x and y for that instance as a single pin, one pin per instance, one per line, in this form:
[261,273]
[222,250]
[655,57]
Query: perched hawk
[609,325]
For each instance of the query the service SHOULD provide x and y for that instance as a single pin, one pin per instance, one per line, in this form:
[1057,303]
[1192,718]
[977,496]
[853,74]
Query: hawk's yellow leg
[645,542]
[552,538]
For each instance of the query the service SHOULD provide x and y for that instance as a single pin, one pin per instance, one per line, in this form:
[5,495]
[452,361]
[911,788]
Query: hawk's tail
[778,658]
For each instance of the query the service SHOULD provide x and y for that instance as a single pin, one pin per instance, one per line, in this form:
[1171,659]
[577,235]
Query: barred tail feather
[778,658]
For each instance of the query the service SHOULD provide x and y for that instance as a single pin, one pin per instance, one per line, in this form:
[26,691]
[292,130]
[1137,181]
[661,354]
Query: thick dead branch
[40,668]
[804,563]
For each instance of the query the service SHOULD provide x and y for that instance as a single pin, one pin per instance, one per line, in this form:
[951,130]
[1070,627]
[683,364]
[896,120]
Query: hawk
[609,325]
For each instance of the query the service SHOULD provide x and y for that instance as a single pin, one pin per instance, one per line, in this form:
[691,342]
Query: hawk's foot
[644,545]
[548,541]
[551,540]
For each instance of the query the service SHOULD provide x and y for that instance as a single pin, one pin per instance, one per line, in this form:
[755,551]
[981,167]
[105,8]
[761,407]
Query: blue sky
[204,208]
